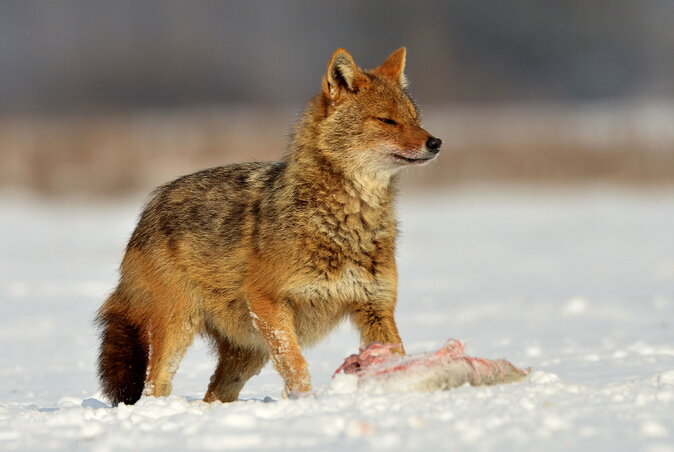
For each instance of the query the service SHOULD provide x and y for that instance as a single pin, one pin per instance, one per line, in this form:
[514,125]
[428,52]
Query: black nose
[433,144]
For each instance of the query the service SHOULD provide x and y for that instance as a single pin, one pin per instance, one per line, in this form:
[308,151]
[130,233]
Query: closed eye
[388,121]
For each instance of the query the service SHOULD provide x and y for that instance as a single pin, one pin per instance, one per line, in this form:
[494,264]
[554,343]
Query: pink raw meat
[379,366]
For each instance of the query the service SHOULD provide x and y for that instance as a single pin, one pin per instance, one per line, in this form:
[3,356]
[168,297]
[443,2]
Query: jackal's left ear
[343,75]
[394,67]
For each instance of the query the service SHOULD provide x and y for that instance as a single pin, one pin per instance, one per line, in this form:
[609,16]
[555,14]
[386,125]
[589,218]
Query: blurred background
[542,233]
[99,98]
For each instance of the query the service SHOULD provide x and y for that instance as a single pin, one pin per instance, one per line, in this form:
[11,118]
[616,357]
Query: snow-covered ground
[579,285]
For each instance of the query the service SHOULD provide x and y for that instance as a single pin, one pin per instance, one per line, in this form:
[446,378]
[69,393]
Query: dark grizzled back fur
[210,203]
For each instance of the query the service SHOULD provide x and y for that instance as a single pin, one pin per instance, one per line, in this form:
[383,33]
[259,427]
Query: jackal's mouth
[412,160]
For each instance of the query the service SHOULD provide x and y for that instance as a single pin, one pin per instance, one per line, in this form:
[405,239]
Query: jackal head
[370,124]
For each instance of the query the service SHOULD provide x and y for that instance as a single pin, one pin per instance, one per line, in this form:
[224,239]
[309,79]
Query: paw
[295,395]
[301,392]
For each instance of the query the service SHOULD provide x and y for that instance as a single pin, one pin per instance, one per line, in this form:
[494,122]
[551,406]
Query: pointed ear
[342,76]
[394,67]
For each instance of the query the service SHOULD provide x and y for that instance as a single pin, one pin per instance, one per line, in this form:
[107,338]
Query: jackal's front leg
[376,324]
[274,320]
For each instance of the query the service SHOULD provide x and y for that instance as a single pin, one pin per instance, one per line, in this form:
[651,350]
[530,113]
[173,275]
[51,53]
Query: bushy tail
[123,357]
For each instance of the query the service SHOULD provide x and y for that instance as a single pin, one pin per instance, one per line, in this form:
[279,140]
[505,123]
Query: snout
[433,145]
[421,152]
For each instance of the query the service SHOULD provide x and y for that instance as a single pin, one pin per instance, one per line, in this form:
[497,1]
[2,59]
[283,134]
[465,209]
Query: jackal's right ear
[394,67]
[342,76]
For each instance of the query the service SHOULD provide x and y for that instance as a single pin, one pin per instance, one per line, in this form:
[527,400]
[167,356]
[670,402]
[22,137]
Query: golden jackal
[264,258]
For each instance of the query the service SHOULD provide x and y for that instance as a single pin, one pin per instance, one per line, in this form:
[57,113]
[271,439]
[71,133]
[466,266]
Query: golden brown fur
[265,258]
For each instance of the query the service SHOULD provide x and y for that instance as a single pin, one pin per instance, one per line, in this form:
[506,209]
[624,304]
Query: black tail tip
[123,359]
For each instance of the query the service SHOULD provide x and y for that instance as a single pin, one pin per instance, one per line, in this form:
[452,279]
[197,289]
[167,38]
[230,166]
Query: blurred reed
[121,153]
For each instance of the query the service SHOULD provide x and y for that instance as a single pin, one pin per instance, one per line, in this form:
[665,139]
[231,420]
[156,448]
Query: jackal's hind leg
[167,348]
[236,365]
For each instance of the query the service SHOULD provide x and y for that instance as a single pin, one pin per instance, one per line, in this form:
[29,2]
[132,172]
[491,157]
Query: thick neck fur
[317,170]
[344,217]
